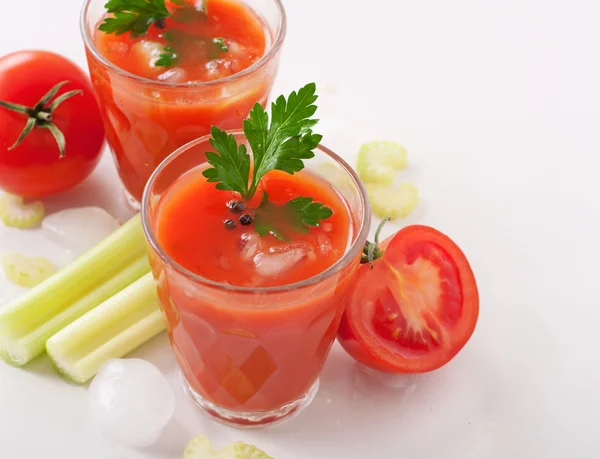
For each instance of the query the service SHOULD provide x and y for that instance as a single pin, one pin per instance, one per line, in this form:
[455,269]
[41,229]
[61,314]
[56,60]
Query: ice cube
[219,68]
[273,264]
[324,243]
[78,230]
[131,402]
[176,75]
[147,52]
[288,246]
[250,244]
[118,47]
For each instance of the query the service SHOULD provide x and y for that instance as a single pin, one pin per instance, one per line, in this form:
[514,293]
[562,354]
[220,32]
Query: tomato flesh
[416,309]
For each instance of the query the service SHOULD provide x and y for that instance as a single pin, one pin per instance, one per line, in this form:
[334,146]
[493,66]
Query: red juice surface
[198,57]
[251,351]
[191,231]
[146,121]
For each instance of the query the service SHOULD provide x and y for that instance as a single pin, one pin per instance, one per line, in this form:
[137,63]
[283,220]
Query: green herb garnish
[135,16]
[168,58]
[283,144]
[299,214]
[218,47]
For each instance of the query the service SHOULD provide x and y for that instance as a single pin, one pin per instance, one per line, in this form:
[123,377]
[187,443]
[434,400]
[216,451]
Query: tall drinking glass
[252,356]
[146,120]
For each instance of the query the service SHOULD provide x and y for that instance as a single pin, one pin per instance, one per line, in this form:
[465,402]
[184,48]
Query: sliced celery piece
[379,160]
[109,331]
[26,271]
[28,322]
[394,203]
[201,448]
[16,214]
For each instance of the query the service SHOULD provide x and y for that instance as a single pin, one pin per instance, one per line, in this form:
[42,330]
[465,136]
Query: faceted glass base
[252,419]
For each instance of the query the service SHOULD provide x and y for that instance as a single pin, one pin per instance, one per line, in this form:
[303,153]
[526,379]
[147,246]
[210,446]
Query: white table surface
[498,103]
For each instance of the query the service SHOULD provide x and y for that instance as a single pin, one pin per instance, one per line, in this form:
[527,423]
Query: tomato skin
[34,168]
[362,343]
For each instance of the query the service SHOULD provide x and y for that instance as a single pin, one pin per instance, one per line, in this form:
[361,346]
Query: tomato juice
[190,228]
[222,63]
[251,319]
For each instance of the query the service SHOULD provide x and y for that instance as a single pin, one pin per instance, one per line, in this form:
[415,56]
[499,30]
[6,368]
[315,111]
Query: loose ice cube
[131,402]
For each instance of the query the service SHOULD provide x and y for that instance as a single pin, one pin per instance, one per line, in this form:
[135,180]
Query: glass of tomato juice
[149,111]
[251,347]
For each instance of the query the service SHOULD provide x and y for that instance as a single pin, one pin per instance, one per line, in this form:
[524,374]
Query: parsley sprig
[135,16]
[281,144]
[299,214]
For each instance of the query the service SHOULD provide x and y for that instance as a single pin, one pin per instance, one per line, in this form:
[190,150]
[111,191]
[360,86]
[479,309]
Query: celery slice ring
[26,271]
[394,203]
[378,161]
[201,448]
[15,214]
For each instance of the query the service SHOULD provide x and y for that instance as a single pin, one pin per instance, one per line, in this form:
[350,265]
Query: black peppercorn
[236,206]
[246,220]
[160,23]
[229,224]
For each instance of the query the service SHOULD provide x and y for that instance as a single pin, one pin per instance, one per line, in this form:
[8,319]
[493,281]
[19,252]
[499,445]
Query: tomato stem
[41,115]
[371,251]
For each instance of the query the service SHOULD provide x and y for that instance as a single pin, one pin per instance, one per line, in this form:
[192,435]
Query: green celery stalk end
[110,331]
[29,321]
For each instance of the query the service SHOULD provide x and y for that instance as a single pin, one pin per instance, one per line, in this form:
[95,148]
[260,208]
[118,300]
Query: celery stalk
[28,322]
[110,331]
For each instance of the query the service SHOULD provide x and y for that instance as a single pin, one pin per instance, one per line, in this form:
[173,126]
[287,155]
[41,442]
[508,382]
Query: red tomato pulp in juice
[146,121]
[250,351]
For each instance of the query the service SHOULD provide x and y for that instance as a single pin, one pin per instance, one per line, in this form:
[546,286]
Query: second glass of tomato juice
[252,318]
[164,79]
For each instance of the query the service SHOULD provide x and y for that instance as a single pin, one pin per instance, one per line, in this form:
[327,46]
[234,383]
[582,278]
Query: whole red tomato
[67,117]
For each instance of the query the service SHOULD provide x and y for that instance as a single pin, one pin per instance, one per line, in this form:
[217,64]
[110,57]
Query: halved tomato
[416,308]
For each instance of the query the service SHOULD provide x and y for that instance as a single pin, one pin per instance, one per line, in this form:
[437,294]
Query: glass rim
[352,252]
[264,60]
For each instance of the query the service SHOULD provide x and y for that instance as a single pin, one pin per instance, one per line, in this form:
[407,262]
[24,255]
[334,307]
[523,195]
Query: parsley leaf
[220,44]
[168,58]
[231,166]
[135,16]
[307,211]
[288,140]
[298,214]
[283,145]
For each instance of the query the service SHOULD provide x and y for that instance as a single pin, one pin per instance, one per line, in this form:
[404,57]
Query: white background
[498,103]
